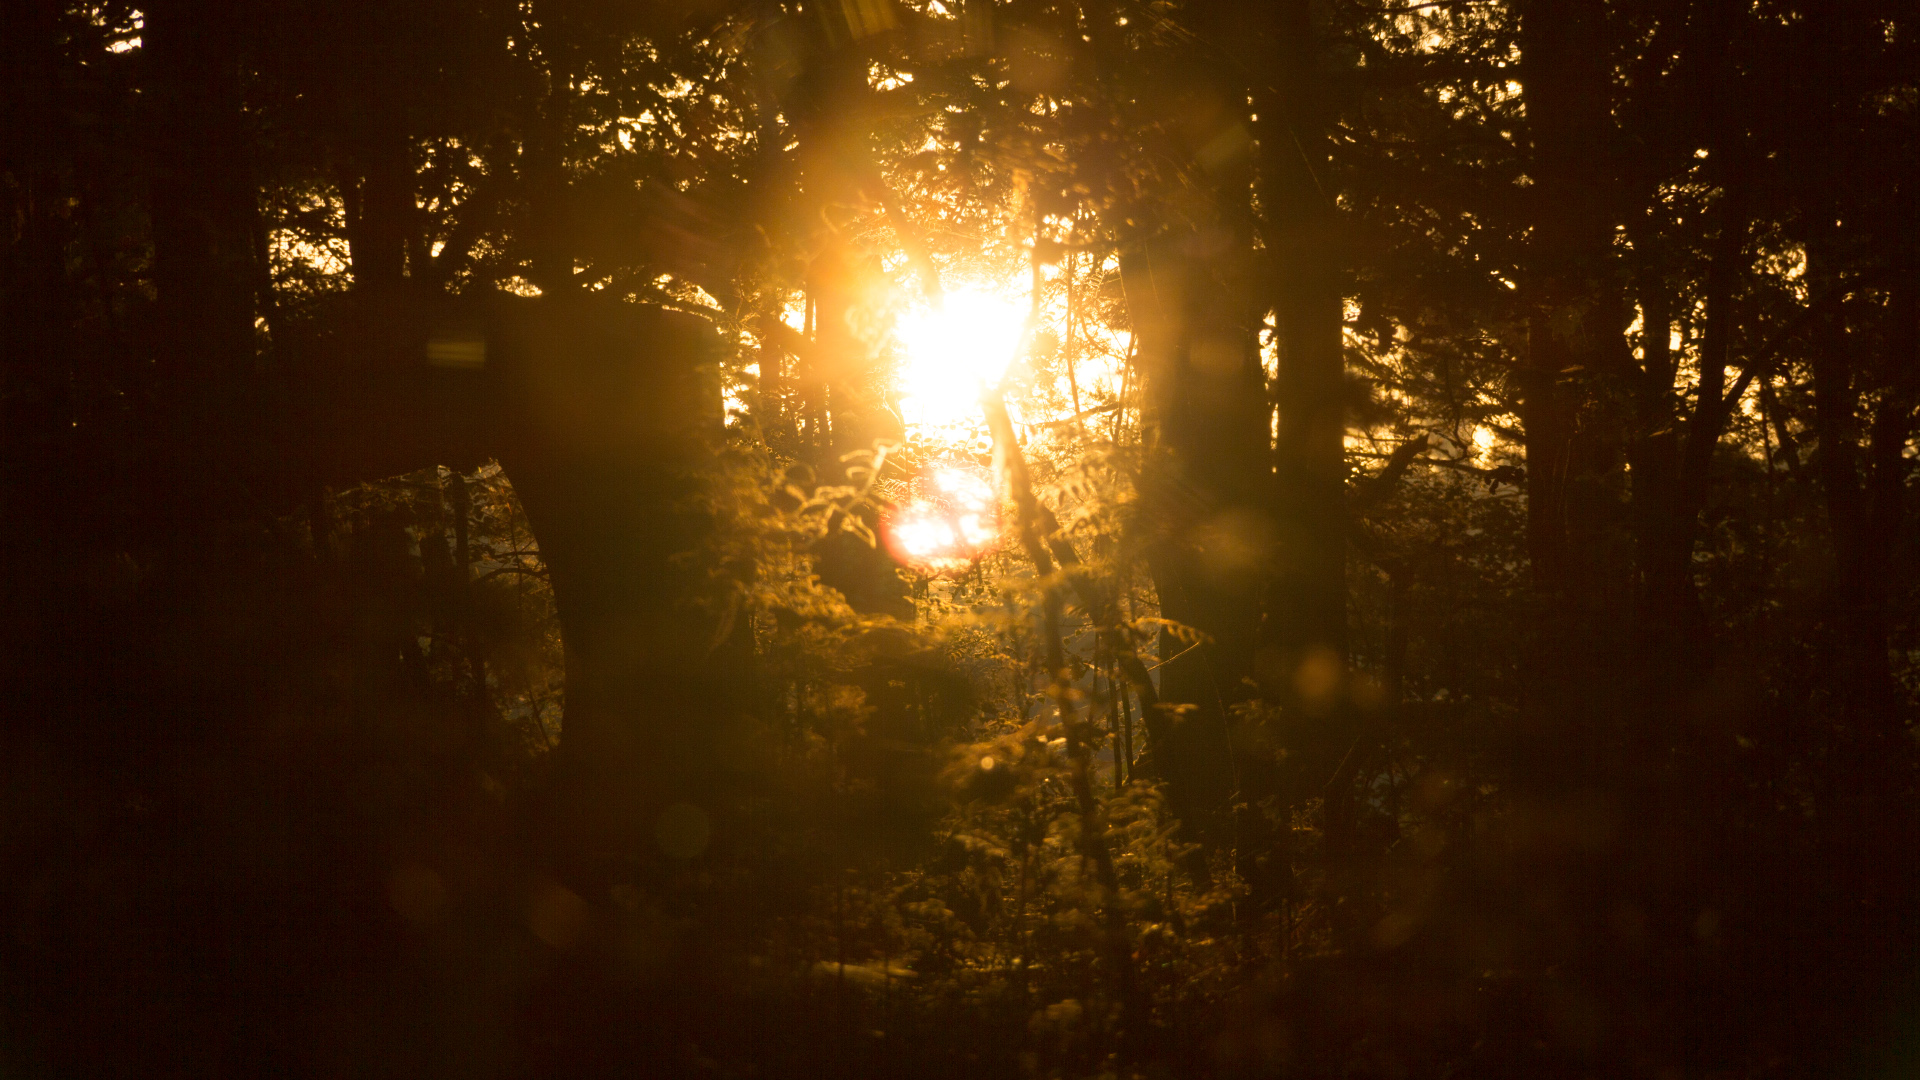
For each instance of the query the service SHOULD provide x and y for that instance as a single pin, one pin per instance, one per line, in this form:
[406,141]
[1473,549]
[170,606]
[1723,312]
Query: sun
[950,352]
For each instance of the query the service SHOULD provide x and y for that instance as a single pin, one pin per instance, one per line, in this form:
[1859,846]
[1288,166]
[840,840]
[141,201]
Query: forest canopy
[959,538]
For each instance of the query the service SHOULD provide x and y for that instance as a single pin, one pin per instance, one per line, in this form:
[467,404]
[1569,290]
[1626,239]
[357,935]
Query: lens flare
[951,518]
[951,351]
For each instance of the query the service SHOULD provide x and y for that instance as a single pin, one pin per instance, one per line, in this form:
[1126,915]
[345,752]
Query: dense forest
[959,538]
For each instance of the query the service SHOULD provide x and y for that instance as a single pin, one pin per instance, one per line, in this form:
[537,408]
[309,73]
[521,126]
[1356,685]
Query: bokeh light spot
[557,915]
[683,831]
[950,518]
[416,893]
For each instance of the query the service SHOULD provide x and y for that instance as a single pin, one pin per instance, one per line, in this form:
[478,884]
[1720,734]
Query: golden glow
[952,518]
[949,353]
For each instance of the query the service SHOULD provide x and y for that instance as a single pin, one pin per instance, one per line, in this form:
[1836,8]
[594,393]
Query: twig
[530,571]
[1079,416]
[1380,484]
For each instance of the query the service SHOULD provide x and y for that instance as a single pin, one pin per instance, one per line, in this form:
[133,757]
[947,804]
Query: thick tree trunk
[1302,663]
[36,346]
[1860,458]
[1574,353]
[213,453]
[1202,486]
[381,213]
[1864,521]
[605,416]
[1671,469]
[203,213]
[1306,613]
[611,419]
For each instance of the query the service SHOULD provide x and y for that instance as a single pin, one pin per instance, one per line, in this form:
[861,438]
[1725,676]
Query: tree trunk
[1860,461]
[605,417]
[608,417]
[1202,483]
[1575,346]
[204,223]
[1863,525]
[202,197]
[36,342]
[1302,658]
[384,215]
[1671,478]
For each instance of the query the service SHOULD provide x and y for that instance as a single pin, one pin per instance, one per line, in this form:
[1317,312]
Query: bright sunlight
[949,353]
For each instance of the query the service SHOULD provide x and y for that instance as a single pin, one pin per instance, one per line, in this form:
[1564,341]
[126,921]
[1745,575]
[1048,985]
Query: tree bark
[605,417]
[1200,493]
[202,195]
[1672,460]
[1302,659]
[1574,351]
[204,221]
